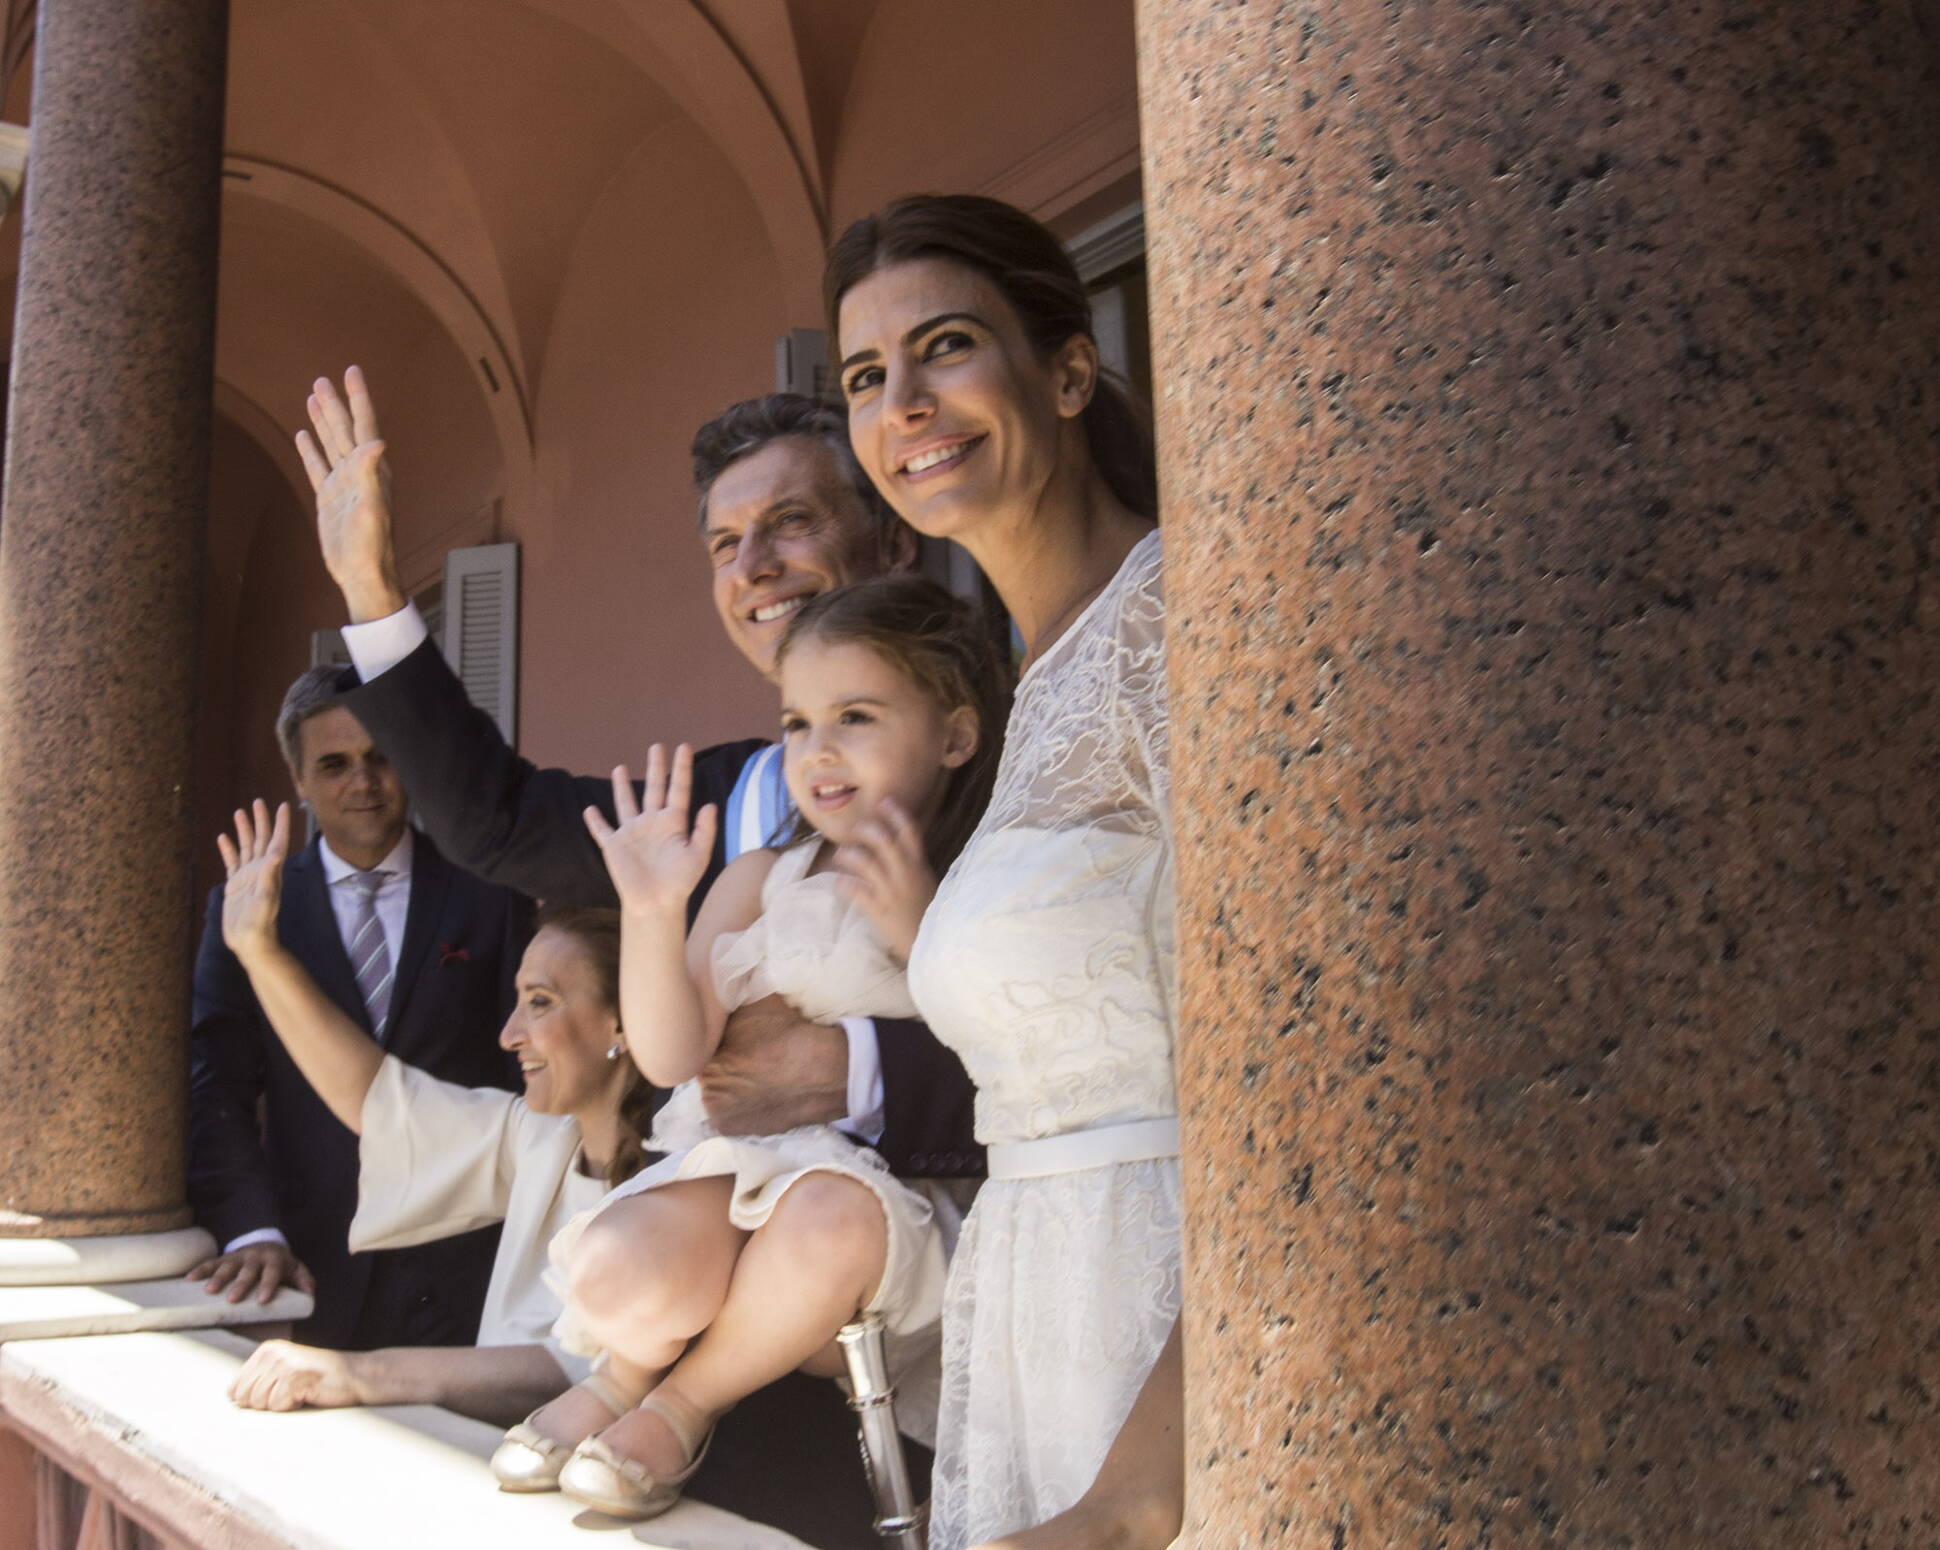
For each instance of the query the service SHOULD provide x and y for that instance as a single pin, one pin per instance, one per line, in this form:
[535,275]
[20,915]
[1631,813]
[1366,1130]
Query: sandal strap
[683,1420]
[607,1392]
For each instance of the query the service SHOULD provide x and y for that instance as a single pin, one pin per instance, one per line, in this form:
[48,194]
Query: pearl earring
[614,1052]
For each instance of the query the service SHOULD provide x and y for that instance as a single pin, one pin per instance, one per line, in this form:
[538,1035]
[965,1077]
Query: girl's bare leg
[648,1274]
[1138,1500]
[826,1244]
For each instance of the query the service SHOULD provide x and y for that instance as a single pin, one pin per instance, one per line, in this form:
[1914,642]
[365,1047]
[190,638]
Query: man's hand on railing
[257,1267]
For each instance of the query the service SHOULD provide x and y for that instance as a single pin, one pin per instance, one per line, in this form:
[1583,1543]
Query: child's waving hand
[652,856]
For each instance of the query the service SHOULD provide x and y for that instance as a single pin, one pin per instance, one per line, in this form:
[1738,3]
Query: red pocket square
[447,955]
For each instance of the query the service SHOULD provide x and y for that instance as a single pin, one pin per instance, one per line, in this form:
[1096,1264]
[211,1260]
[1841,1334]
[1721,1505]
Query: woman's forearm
[335,1056]
[1137,1501]
[667,1027]
[1139,1495]
[496,1383]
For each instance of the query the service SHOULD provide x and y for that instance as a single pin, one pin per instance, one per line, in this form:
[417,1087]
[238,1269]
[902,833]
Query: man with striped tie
[422,955]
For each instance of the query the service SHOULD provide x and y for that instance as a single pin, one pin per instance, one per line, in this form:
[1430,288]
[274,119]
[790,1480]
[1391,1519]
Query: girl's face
[856,729]
[951,412]
[561,1029]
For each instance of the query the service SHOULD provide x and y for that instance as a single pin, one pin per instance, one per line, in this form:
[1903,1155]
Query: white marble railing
[144,1420]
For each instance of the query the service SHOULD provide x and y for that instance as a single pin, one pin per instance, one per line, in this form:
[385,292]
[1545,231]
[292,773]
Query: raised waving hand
[655,860]
[344,456]
[652,855]
[337,1058]
[253,862]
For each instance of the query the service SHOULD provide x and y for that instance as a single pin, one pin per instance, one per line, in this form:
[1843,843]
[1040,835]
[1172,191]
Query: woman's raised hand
[652,856]
[254,863]
[345,461]
[888,874]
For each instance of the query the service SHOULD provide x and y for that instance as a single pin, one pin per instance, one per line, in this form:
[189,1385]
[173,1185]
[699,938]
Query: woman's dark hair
[941,643]
[1035,275]
[598,932]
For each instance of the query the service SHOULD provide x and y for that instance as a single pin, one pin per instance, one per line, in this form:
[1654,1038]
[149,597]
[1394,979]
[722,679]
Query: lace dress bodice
[1045,961]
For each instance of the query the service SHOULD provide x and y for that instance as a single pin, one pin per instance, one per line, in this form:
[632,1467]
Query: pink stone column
[1550,436]
[100,573]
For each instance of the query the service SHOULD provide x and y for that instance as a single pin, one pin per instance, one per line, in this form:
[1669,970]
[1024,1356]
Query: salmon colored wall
[297,298]
[1035,103]
[668,313]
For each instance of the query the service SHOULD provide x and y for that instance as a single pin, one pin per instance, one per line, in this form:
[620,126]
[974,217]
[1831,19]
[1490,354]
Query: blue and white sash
[758,806]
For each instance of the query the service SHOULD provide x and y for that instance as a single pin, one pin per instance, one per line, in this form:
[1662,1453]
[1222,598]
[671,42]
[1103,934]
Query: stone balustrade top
[147,1416]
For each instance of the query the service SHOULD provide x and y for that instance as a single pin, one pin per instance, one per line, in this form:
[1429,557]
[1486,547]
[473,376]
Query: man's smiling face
[783,525]
[356,796]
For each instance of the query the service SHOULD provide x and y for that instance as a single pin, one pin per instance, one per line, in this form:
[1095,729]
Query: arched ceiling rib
[678,45]
[388,243]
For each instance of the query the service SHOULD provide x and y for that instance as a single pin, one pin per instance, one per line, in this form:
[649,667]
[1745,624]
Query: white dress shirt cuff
[379,646]
[260,1235]
[865,1081]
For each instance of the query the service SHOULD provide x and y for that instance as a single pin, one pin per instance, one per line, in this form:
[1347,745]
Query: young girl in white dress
[734,1260]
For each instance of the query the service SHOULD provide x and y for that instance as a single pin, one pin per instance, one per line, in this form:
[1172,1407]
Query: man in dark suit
[423,956]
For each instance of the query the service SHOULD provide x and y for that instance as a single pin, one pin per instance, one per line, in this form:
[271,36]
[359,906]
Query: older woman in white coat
[437,1158]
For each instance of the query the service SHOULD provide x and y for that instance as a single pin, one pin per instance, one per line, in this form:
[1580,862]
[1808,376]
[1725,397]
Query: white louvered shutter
[481,628]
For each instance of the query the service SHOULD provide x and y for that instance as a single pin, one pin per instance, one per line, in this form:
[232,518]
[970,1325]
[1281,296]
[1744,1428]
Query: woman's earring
[617,1048]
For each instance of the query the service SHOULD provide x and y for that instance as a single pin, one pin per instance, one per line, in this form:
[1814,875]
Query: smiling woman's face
[951,411]
[561,1028]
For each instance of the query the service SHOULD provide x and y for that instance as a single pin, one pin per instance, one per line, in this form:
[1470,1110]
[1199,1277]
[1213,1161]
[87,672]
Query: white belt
[1139,1141]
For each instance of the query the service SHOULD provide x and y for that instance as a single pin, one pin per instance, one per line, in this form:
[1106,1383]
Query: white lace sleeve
[1141,678]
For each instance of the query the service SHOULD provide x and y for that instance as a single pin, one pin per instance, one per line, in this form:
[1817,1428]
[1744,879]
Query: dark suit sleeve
[230,1184]
[927,1105]
[497,815]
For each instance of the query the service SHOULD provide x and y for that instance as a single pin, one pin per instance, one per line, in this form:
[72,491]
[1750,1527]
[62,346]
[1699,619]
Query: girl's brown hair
[598,932]
[941,642]
[1036,276]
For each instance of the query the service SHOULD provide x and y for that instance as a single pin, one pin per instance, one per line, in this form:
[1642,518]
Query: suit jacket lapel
[423,920]
[309,928]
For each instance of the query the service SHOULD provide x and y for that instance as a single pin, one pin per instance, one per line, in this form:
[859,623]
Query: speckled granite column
[100,546]
[1550,419]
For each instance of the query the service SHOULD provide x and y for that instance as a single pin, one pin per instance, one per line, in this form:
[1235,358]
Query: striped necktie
[370,955]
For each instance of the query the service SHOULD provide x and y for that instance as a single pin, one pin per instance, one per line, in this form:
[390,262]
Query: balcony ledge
[146,1418]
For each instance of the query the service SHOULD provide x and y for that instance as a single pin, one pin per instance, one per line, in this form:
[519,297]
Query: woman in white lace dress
[976,404]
